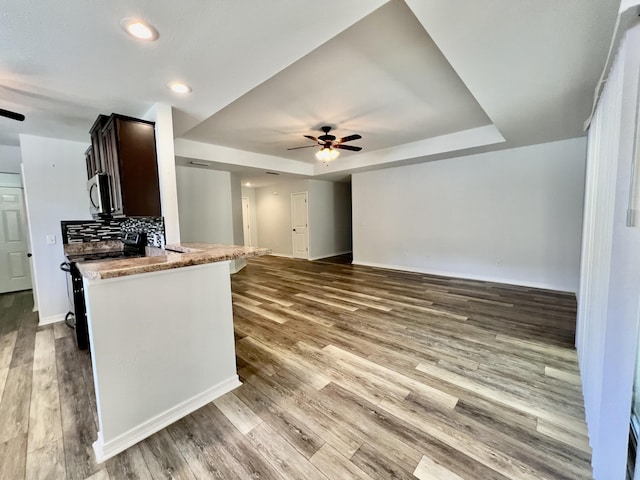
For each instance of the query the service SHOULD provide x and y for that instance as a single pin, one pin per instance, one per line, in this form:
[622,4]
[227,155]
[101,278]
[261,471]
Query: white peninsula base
[162,346]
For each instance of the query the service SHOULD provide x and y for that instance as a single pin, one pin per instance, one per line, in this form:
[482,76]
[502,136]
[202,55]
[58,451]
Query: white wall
[512,216]
[273,213]
[234,157]
[329,219]
[626,4]
[9,159]
[608,309]
[210,208]
[250,193]
[204,205]
[236,209]
[236,218]
[162,115]
[55,178]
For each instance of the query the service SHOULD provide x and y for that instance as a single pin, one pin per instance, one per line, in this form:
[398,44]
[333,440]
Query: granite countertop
[173,256]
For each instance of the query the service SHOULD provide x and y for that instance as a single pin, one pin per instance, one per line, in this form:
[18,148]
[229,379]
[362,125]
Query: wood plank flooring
[348,372]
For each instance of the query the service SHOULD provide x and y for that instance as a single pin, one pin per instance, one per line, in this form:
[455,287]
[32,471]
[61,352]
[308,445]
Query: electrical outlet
[51,239]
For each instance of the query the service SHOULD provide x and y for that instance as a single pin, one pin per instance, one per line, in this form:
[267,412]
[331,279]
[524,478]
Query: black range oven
[133,246]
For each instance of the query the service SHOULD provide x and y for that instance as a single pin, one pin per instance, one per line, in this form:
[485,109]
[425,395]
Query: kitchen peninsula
[161,336]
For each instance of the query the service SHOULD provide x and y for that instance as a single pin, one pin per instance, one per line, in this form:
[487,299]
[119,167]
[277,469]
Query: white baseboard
[310,258]
[330,255]
[52,319]
[106,450]
[484,278]
[235,265]
[281,255]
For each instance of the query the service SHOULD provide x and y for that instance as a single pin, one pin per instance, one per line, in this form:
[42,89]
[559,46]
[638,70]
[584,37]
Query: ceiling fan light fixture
[139,29]
[326,154]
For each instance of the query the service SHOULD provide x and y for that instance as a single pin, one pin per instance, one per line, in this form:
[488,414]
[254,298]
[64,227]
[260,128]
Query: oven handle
[65,267]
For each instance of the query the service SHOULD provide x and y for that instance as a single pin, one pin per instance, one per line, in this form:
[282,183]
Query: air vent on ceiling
[272,173]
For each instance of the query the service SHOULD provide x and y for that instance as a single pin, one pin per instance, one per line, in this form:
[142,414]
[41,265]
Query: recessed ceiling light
[248,184]
[179,87]
[139,29]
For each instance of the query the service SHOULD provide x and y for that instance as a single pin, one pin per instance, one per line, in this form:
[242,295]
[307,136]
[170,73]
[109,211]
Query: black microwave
[98,188]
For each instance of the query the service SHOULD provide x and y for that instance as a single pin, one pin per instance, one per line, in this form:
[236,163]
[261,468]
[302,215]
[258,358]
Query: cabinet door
[90,159]
[97,142]
[138,167]
[111,167]
[125,149]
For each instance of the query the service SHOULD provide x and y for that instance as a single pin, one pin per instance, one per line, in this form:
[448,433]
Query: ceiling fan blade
[297,148]
[347,147]
[349,138]
[12,115]
[311,138]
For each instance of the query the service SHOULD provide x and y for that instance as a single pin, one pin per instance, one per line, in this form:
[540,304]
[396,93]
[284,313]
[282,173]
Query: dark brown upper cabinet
[125,149]
[95,154]
[90,158]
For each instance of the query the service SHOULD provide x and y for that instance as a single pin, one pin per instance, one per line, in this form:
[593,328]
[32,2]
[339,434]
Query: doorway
[299,225]
[15,272]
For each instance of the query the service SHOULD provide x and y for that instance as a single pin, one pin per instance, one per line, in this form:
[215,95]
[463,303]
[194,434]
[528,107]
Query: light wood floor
[349,372]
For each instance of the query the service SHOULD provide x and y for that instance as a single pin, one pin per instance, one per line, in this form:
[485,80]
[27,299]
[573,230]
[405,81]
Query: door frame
[246,222]
[306,206]
[30,241]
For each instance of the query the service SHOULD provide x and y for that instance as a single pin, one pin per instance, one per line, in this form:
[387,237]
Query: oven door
[69,320]
[77,316]
[98,188]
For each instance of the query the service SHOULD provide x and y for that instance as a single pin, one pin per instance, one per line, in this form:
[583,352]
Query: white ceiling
[383,78]
[418,79]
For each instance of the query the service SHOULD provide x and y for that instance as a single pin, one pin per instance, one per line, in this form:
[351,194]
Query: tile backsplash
[81,231]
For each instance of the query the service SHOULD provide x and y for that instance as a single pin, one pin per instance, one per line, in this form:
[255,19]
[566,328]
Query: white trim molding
[284,255]
[330,255]
[236,265]
[106,450]
[483,278]
[52,319]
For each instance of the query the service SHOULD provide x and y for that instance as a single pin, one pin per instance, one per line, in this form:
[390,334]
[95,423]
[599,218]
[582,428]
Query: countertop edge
[200,254]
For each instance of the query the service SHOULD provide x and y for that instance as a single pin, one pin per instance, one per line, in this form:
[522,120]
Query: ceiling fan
[12,115]
[330,143]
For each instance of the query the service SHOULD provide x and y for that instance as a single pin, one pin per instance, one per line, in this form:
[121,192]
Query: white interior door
[299,227]
[246,222]
[14,265]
